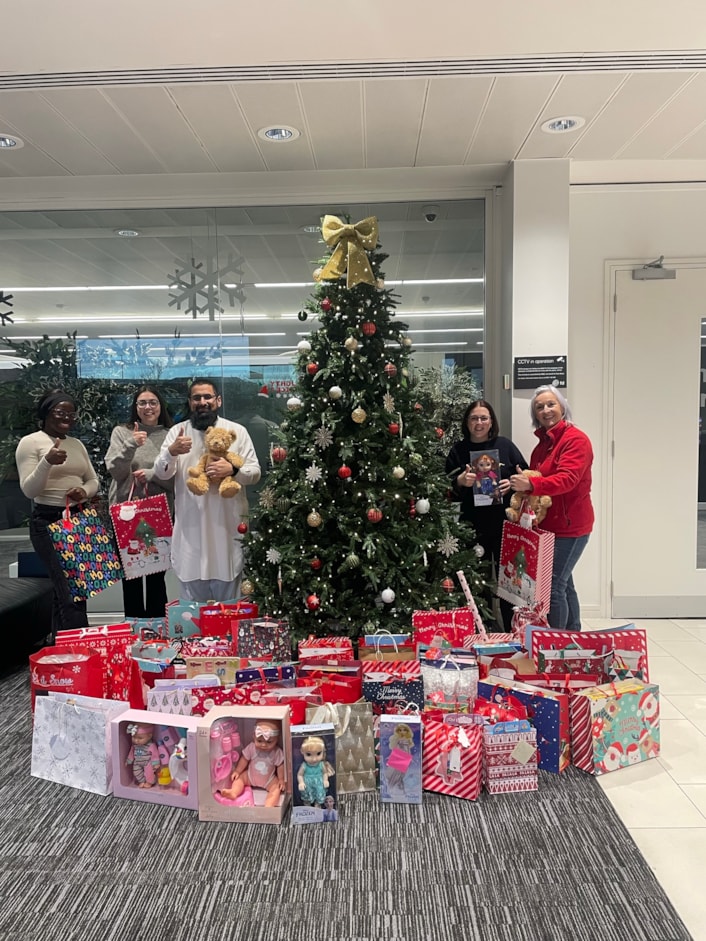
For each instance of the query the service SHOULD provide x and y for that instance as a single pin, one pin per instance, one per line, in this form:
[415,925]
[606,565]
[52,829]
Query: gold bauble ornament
[314,519]
[380,284]
[351,344]
[398,472]
[247,587]
[317,274]
[359,415]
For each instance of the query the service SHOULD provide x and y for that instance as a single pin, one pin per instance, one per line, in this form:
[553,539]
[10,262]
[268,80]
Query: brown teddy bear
[218,440]
[539,505]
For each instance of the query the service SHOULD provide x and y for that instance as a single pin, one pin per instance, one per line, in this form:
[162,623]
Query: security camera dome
[430,213]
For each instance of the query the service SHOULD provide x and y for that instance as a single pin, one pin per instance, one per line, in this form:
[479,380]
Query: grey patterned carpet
[555,865]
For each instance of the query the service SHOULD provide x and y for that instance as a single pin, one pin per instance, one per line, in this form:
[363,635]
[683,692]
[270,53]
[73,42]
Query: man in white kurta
[207,553]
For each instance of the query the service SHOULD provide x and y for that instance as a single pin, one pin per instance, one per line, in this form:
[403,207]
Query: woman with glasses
[134,448]
[480,466]
[55,469]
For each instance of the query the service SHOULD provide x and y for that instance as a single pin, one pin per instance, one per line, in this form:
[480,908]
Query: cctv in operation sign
[533,371]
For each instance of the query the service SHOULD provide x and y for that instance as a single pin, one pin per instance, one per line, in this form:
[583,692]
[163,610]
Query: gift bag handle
[379,634]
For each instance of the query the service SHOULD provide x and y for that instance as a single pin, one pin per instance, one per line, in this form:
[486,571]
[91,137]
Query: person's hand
[466,478]
[218,469]
[76,495]
[504,486]
[140,477]
[181,444]
[139,436]
[520,483]
[56,455]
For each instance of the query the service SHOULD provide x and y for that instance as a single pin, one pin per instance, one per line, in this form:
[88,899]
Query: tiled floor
[663,802]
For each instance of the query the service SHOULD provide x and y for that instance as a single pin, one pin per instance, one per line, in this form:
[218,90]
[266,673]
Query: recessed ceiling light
[7,142]
[278,134]
[127,233]
[560,125]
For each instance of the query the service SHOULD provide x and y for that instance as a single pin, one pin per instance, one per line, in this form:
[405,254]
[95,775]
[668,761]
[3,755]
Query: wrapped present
[510,757]
[71,740]
[221,619]
[326,650]
[264,638]
[626,643]
[450,684]
[400,759]
[356,766]
[397,683]
[452,759]
[282,673]
[614,725]
[547,710]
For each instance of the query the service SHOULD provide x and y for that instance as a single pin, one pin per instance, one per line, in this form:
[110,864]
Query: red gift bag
[143,531]
[75,668]
[333,685]
[452,759]
[525,568]
[221,619]
[455,626]
[112,642]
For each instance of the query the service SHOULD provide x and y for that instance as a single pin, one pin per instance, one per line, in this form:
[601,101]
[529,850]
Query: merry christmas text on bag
[143,531]
[525,568]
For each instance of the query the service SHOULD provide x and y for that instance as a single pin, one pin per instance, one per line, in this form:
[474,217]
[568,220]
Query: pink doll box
[174,738]
[222,736]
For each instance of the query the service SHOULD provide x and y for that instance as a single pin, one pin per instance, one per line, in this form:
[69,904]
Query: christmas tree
[354,529]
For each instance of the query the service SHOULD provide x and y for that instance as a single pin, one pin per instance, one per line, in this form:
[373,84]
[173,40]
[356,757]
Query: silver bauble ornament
[387,595]
[422,506]
[335,392]
[294,403]
[304,346]
[479,551]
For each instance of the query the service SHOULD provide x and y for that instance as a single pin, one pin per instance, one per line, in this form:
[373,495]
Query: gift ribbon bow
[455,738]
[351,243]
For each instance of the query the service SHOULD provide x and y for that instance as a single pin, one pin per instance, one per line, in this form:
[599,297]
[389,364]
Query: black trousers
[66,614]
[145,597]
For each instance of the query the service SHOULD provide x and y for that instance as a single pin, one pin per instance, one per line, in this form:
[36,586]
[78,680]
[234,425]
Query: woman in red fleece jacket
[563,457]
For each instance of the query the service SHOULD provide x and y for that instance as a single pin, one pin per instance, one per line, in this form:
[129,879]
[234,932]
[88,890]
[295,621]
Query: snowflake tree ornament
[199,286]
[274,556]
[323,437]
[267,498]
[448,545]
[313,473]
[388,402]
[5,316]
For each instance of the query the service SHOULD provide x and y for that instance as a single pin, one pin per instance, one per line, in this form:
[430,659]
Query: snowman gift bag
[143,530]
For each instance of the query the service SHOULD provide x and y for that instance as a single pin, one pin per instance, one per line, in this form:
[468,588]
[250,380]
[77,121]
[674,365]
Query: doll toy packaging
[400,759]
[244,760]
[314,799]
[151,758]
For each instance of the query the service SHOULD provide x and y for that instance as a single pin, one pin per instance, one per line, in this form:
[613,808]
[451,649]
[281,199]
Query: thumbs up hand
[139,436]
[56,455]
[181,444]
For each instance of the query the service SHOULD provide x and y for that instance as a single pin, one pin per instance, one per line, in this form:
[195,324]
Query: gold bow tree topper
[349,255]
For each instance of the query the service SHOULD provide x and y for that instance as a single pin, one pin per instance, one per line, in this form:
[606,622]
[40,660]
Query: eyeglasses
[481,419]
[205,398]
[66,416]
[148,403]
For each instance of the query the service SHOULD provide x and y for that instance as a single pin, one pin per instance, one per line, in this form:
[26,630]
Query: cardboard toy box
[400,759]
[224,735]
[173,778]
[314,798]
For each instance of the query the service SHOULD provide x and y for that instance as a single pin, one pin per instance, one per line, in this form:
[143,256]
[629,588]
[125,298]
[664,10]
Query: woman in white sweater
[55,468]
[134,448]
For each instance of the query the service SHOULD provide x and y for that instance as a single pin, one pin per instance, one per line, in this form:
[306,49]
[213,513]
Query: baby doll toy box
[151,752]
[314,798]
[244,763]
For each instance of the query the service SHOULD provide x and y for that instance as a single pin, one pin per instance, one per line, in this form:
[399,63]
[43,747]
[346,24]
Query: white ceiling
[399,104]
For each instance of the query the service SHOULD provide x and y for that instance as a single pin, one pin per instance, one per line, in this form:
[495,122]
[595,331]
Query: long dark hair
[165,419]
[494,427]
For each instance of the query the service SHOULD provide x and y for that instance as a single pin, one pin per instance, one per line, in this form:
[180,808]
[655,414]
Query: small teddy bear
[539,505]
[218,440]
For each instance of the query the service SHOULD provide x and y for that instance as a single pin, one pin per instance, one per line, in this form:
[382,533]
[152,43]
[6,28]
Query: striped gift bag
[452,759]
[525,568]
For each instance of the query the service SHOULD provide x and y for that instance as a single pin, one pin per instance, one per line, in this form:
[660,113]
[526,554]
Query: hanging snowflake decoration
[323,437]
[267,498]
[5,316]
[313,473]
[197,287]
[388,402]
[274,556]
[448,545]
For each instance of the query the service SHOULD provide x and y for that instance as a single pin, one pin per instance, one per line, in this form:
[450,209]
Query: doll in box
[143,755]
[400,757]
[314,772]
[261,765]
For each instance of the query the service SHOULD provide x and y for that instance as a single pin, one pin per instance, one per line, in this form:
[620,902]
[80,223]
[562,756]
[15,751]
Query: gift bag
[221,619]
[454,626]
[393,683]
[71,741]
[525,567]
[143,531]
[182,618]
[510,757]
[112,642]
[386,646]
[627,645]
[575,660]
[75,669]
[450,684]
[147,628]
[264,638]
[339,682]
[452,759]
[356,768]
[86,553]
[325,649]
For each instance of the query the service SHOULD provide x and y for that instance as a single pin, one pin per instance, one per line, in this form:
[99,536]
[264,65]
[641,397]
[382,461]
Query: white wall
[622,223]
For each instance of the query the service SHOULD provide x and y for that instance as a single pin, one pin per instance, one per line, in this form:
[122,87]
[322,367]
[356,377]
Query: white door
[656,403]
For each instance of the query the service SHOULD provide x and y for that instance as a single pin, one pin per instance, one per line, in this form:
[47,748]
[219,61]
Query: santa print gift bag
[143,530]
[526,562]
[85,550]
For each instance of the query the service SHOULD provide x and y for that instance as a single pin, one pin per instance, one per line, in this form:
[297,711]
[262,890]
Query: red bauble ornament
[312,368]
[315,563]
[344,472]
[369,328]
[448,585]
[418,406]
[439,433]
[242,528]
[313,602]
[374,515]
[279,455]
[390,370]
[412,507]
[326,304]
[393,428]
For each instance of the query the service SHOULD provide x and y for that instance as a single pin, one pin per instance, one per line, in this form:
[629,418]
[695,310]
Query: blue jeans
[564,610]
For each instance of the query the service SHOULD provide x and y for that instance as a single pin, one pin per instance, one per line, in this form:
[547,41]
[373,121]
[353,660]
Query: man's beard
[203,420]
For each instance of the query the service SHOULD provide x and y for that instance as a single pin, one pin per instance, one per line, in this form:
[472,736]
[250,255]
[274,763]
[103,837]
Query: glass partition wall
[164,295]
